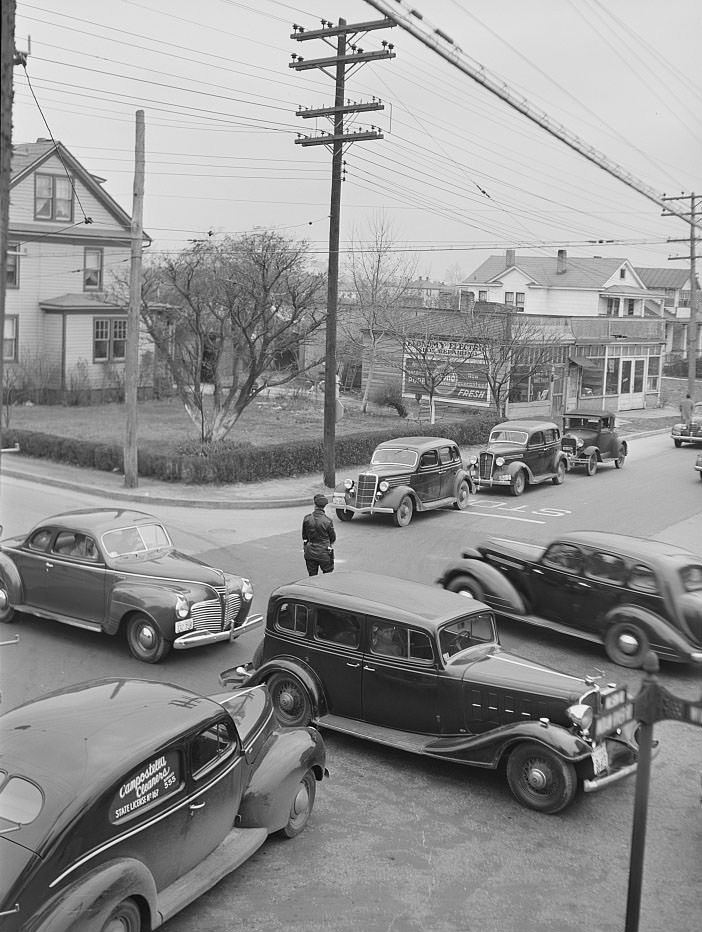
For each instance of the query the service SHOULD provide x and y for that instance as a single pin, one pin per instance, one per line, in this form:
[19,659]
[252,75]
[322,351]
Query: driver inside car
[386,639]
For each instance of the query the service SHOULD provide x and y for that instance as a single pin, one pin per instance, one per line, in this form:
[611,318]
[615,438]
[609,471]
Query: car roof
[77,741]
[525,424]
[400,600]
[578,412]
[633,547]
[97,520]
[416,443]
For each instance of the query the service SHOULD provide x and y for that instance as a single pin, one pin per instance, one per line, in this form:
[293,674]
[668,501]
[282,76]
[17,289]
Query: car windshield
[501,435]
[394,456]
[589,423]
[466,632]
[140,539]
[692,578]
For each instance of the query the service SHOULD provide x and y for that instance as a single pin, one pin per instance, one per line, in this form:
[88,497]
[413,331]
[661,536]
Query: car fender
[84,905]
[655,627]
[157,601]
[286,757]
[463,476]
[12,579]
[588,451]
[494,585]
[394,496]
[488,750]
[307,676]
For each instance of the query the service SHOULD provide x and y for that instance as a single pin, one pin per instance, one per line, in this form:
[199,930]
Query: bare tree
[228,319]
[379,275]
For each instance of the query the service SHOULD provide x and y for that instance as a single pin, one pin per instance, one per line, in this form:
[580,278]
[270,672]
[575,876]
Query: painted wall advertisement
[464,383]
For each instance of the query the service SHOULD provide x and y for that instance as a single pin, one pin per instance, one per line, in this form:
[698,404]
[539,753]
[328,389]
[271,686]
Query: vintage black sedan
[405,475]
[630,594]
[682,434]
[518,454]
[116,570]
[590,438]
[407,665]
[122,800]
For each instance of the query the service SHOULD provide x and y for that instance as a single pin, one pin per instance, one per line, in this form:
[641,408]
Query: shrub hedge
[236,462]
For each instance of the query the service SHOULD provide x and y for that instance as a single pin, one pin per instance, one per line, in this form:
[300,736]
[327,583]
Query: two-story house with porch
[64,339]
[617,321]
[673,286]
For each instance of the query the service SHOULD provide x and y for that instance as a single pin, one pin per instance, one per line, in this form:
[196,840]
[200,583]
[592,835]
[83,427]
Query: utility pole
[692,325]
[131,370]
[349,57]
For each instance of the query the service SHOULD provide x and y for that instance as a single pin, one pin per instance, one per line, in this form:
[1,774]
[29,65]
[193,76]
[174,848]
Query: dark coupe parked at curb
[630,594]
[406,475]
[591,438]
[122,800]
[116,570]
[422,670]
[681,434]
[520,453]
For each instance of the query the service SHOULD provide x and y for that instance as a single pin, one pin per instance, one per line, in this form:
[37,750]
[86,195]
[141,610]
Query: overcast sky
[459,175]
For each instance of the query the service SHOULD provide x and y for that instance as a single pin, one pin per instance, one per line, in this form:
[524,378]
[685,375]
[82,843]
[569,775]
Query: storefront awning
[583,362]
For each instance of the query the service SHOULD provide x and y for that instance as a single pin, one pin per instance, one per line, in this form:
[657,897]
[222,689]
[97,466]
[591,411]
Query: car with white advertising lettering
[123,800]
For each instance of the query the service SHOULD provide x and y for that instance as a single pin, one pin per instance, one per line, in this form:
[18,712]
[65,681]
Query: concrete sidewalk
[270,493]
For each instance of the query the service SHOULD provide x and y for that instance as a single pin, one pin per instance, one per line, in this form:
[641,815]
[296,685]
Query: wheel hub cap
[537,779]
[286,701]
[628,644]
[301,801]
[3,599]
[146,638]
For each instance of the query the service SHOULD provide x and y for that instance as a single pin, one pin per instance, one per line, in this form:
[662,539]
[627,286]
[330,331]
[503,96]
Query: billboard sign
[464,383]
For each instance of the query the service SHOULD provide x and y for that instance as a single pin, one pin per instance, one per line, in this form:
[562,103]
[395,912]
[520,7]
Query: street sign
[618,709]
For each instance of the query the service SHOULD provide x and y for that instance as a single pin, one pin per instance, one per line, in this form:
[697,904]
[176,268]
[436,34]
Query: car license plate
[185,625]
[600,760]
[338,500]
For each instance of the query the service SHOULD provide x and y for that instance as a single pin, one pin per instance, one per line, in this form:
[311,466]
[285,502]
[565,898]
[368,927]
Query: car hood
[389,471]
[502,670]
[171,564]
[505,449]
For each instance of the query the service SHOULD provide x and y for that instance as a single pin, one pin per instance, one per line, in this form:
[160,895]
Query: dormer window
[622,273]
[53,198]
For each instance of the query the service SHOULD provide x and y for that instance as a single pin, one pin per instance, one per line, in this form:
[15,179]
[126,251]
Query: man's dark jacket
[318,531]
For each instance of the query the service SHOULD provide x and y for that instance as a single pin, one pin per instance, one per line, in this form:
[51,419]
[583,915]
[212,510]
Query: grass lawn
[163,426]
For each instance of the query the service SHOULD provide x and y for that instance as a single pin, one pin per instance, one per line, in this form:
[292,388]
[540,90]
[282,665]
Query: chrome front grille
[367,487]
[569,445]
[486,464]
[232,605]
[207,615]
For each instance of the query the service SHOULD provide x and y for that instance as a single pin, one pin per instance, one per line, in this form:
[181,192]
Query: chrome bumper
[599,783]
[367,509]
[198,638]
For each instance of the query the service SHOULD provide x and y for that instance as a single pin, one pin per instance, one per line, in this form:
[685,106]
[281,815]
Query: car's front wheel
[145,641]
[540,779]
[291,701]
[344,515]
[678,443]
[403,515]
[462,496]
[301,808]
[466,586]
[124,918]
[591,467]
[518,483]
[621,456]
[559,478]
[7,612]
[626,644]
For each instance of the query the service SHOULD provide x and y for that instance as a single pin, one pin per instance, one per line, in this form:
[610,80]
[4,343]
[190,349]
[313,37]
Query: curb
[297,501]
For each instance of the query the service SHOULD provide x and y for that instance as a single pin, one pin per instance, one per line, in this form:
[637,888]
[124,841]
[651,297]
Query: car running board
[55,616]
[236,848]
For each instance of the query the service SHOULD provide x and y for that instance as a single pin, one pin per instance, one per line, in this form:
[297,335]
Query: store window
[654,373]
[593,377]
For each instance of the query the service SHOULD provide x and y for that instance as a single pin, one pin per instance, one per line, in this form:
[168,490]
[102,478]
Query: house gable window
[482,296]
[509,297]
[9,342]
[53,198]
[109,339]
[520,300]
[92,270]
[622,273]
[12,274]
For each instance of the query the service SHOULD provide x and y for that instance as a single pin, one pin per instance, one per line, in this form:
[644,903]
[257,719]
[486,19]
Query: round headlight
[580,715]
[384,486]
[579,442]
[473,461]
[348,485]
[182,609]
[246,589]
[500,461]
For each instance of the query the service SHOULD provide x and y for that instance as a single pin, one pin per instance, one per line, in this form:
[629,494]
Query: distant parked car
[631,595]
[591,438]
[520,453]
[116,570]
[406,475]
[121,801]
[422,670]
[681,434]
[698,465]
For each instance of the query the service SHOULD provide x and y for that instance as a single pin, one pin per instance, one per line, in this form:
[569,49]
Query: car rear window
[692,578]
[21,800]
[606,567]
[643,578]
[292,618]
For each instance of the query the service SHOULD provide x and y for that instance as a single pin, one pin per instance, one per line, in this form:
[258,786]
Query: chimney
[510,258]
[561,262]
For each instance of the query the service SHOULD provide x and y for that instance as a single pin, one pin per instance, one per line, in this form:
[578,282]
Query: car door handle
[538,572]
[193,806]
[370,669]
[585,585]
[353,665]
[49,566]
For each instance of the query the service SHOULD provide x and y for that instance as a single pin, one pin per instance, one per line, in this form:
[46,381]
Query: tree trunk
[369,379]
